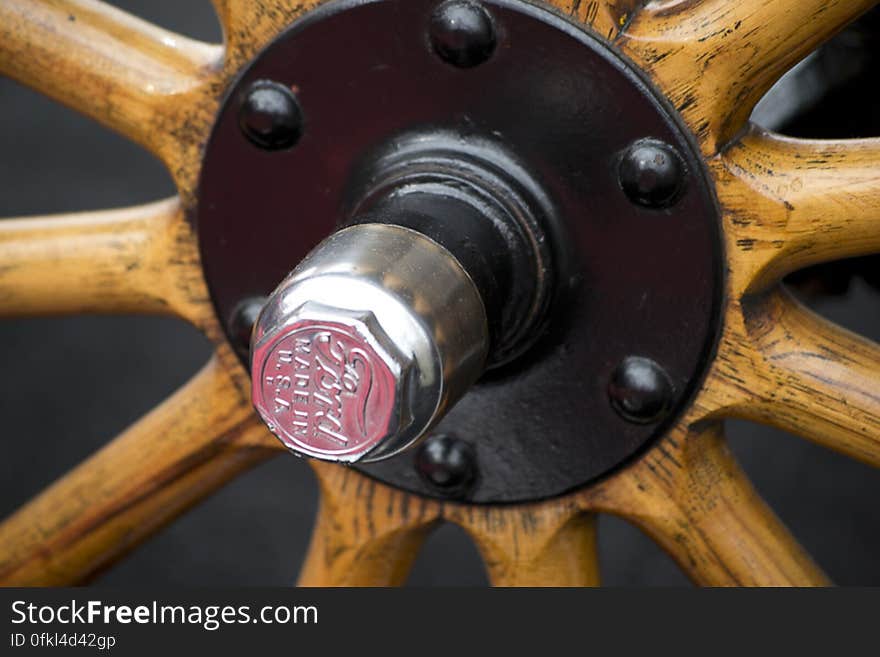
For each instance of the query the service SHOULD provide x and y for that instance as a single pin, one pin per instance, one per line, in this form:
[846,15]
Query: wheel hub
[601,309]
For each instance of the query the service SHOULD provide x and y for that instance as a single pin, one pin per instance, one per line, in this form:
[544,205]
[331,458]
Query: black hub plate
[631,280]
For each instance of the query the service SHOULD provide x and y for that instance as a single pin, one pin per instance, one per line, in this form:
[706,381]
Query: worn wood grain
[687,493]
[172,458]
[248,25]
[714,59]
[155,87]
[368,534]
[548,544]
[780,364]
[133,260]
[691,497]
[605,18]
[790,203]
[812,378]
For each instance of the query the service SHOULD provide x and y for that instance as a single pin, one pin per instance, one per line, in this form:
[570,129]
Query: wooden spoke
[153,86]
[366,534]
[689,494]
[248,25]
[135,260]
[539,545]
[179,453]
[715,58]
[813,378]
[790,203]
[605,17]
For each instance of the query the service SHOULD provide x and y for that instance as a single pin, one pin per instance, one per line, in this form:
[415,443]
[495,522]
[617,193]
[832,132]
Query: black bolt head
[462,33]
[447,464]
[651,173]
[640,390]
[241,324]
[270,115]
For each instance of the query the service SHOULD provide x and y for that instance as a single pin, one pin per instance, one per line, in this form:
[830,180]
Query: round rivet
[651,173]
[462,33]
[447,464]
[640,390]
[244,316]
[270,115]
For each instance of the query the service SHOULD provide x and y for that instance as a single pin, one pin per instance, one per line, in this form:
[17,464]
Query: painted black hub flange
[632,278]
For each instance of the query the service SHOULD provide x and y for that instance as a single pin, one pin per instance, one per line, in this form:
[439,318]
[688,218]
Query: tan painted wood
[169,460]
[606,18]
[248,25]
[549,544]
[368,534]
[133,260]
[780,364]
[813,378]
[790,203]
[160,90]
[691,497]
[714,59]
[687,493]
[155,87]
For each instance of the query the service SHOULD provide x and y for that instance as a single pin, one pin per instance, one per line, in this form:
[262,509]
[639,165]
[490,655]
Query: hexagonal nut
[330,383]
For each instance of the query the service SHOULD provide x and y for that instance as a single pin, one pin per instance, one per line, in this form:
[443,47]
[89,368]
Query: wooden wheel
[786,204]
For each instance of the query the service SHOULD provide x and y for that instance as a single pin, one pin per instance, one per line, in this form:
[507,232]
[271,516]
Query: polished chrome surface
[366,344]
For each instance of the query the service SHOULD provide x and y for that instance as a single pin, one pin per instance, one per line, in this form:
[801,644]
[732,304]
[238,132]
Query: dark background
[70,384]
